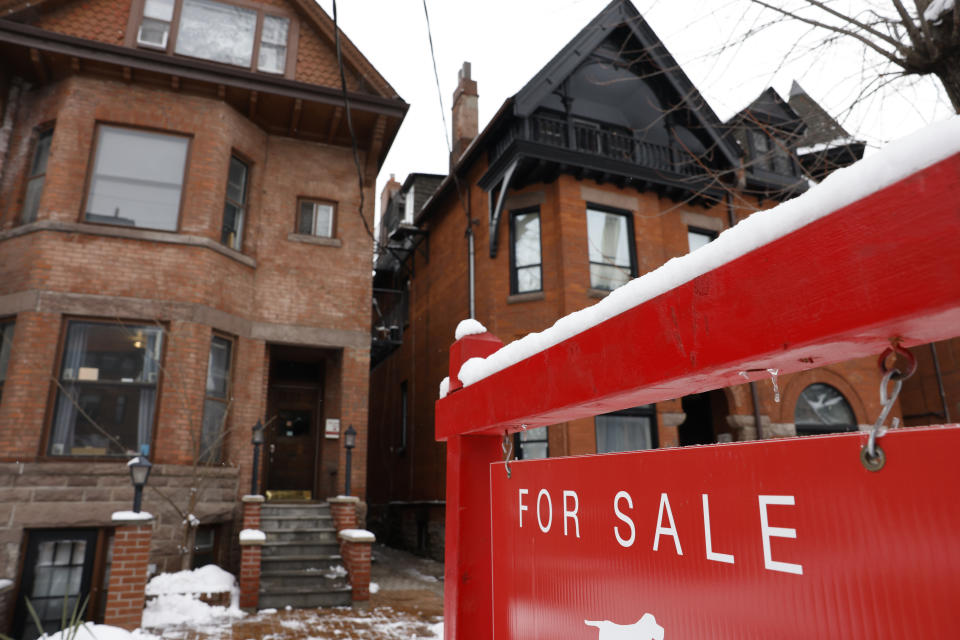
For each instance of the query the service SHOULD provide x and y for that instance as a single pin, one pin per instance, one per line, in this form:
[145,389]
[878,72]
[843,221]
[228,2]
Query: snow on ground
[895,162]
[208,579]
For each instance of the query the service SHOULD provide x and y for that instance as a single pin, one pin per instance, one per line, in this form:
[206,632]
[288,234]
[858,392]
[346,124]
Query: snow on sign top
[469,327]
[894,162]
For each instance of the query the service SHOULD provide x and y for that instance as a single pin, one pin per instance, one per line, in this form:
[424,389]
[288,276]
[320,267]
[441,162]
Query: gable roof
[27,10]
[770,108]
[822,128]
[617,14]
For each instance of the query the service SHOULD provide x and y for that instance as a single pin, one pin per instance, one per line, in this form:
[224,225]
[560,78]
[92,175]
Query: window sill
[525,297]
[597,293]
[110,231]
[323,242]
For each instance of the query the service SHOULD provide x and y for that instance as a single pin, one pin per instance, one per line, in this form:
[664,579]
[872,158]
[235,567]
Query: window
[217,400]
[629,430]
[233,211]
[205,546]
[823,409]
[404,408]
[409,204]
[273,44]
[217,31]
[531,444]
[6,345]
[137,178]
[697,238]
[315,219]
[38,171]
[771,154]
[610,238]
[155,29]
[526,269]
[107,390]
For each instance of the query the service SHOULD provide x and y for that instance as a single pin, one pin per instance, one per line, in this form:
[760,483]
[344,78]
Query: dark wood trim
[65,320]
[95,147]
[190,69]
[96,579]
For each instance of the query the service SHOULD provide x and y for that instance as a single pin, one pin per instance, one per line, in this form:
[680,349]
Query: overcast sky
[508,41]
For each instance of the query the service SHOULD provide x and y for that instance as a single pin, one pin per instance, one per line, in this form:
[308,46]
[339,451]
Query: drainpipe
[943,395]
[731,221]
[471,266]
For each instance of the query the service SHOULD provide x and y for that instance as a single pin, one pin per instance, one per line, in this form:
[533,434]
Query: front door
[292,444]
[57,573]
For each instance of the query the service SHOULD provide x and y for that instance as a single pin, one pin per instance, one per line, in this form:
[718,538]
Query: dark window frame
[631,239]
[514,279]
[44,454]
[7,329]
[242,206]
[334,217]
[713,235]
[293,34]
[647,411]
[404,415]
[203,456]
[91,168]
[41,133]
[518,443]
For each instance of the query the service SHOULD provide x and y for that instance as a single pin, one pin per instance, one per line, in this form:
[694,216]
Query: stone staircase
[301,564]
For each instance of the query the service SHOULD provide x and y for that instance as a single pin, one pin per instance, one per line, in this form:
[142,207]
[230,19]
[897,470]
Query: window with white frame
[154,31]
[273,44]
[611,250]
[137,178]
[315,218]
[106,389]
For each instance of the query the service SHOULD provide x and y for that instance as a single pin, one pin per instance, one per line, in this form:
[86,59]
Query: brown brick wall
[128,576]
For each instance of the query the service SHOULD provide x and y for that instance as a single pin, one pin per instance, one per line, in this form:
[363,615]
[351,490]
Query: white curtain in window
[66,420]
[151,365]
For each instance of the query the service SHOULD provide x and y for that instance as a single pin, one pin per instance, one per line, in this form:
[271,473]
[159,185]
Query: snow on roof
[469,327]
[824,146]
[894,162]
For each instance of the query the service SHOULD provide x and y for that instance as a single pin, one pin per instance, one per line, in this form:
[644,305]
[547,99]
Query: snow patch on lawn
[208,579]
[895,162]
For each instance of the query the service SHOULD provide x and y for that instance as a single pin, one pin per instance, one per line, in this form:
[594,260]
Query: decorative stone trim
[323,242]
[533,296]
[250,499]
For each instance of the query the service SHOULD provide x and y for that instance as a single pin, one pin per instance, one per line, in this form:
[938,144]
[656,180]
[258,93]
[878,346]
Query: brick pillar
[251,544]
[128,569]
[355,548]
[344,511]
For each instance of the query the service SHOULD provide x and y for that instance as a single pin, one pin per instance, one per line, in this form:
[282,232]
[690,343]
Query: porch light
[256,439]
[139,473]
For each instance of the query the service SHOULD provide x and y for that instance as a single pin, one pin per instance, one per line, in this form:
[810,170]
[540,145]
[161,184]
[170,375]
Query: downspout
[943,395]
[731,221]
[472,258]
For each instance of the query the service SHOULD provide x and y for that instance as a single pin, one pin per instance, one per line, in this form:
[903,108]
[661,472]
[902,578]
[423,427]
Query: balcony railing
[598,140]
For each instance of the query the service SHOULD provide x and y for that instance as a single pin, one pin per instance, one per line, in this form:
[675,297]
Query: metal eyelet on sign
[874,462]
[907,355]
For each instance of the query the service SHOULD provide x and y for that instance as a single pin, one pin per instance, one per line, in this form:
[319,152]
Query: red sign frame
[795,539]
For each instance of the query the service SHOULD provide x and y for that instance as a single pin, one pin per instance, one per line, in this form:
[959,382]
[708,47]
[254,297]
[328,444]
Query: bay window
[611,248]
[107,390]
[38,173]
[137,178]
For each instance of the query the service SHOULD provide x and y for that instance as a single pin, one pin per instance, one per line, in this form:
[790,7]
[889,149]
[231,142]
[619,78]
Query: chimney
[466,124]
[389,190]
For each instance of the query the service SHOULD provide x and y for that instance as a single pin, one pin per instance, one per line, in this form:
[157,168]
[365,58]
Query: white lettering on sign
[571,513]
[544,492]
[666,531]
[711,554]
[624,542]
[523,507]
[767,532]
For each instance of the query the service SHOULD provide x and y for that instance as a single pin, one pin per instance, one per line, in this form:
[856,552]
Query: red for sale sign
[774,540]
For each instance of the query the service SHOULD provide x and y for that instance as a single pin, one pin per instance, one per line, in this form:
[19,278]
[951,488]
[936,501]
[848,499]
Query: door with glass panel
[57,573]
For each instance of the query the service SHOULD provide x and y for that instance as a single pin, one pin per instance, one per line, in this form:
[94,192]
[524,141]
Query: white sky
[508,41]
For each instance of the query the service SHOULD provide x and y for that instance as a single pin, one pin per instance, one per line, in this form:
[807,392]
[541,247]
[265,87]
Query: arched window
[823,409]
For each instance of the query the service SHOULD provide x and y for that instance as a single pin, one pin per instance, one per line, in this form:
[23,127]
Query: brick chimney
[389,190]
[466,124]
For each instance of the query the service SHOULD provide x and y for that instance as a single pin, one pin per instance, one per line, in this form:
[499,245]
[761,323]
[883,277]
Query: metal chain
[872,456]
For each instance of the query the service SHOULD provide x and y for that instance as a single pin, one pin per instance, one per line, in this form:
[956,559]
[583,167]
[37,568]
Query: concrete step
[306,580]
[280,562]
[325,535]
[300,510]
[305,599]
[283,523]
[299,548]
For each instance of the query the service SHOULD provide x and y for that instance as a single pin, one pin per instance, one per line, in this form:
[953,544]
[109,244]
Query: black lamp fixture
[256,439]
[349,442]
[139,474]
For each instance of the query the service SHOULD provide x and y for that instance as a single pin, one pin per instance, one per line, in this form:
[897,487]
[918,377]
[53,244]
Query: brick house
[182,254]
[604,166]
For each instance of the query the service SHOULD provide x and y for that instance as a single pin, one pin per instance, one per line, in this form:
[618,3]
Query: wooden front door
[57,574]
[292,443]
